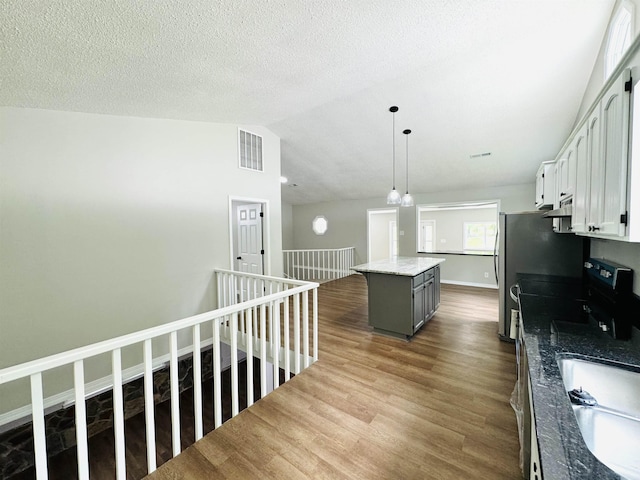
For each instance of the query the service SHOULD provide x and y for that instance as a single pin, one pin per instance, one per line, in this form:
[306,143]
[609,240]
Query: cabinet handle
[595,229]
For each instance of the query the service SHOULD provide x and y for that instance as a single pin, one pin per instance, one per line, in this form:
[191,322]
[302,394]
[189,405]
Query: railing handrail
[317,249]
[44,364]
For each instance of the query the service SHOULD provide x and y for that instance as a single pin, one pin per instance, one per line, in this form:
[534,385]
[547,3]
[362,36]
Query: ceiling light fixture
[407,199]
[394,196]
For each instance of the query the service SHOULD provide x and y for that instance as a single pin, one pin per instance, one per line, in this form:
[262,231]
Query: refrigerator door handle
[514,295]
[495,256]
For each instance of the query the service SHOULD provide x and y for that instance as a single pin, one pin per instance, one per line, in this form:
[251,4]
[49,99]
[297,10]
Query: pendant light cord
[407,132]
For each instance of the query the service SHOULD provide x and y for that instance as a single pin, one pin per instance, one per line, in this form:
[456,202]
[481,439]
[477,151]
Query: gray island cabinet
[404,293]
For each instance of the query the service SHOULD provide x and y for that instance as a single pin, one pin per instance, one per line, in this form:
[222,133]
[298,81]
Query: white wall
[348,227]
[109,224]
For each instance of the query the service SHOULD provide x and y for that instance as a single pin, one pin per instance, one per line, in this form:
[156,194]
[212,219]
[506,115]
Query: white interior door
[248,248]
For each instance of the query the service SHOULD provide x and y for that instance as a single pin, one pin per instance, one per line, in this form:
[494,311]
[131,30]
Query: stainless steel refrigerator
[527,244]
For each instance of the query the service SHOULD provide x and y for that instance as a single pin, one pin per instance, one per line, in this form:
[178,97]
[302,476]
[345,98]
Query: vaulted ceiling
[469,76]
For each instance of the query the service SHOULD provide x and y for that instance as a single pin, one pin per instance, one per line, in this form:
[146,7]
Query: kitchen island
[404,293]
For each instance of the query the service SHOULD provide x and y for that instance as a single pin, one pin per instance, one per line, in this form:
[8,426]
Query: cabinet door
[581,194]
[596,171]
[540,186]
[562,178]
[418,306]
[615,137]
[437,286]
[430,298]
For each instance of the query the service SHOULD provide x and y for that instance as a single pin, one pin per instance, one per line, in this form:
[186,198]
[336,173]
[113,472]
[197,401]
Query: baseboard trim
[470,284]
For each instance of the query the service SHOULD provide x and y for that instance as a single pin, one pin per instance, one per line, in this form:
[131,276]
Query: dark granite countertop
[563,453]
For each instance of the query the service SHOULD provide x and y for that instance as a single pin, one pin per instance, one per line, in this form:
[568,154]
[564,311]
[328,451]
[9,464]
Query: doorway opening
[382,234]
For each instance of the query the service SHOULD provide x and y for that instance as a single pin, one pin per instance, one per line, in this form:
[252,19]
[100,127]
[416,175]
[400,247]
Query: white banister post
[82,445]
[315,324]
[263,351]
[197,383]
[305,326]
[234,365]
[39,430]
[249,346]
[296,333]
[118,415]
[175,393]
[217,388]
[149,406]
[286,333]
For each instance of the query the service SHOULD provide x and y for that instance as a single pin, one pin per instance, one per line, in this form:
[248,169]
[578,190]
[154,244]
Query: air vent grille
[250,150]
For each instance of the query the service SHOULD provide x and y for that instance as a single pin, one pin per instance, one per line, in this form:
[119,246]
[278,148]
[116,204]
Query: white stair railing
[319,264]
[253,316]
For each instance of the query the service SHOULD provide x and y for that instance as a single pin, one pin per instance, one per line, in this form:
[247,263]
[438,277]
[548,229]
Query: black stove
[609,293]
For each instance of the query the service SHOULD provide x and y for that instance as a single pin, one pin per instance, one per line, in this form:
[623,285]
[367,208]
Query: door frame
[378,211]
[266,231]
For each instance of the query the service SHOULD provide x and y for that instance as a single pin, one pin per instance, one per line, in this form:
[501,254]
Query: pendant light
[407,199]
[394,196]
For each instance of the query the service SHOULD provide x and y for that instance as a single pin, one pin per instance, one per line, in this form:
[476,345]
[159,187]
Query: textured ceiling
[469,76]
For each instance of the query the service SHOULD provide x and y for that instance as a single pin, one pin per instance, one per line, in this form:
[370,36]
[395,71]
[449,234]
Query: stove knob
[588,265]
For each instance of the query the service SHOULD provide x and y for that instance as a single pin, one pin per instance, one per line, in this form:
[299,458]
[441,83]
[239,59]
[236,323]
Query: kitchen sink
[605,399]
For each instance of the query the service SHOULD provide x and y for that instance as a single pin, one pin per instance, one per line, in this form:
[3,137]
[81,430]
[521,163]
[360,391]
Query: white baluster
[82,447]
[197,383]
[263,351]
[249,345]
[234,365]
[276,343]
[305,326]
[118,414]
[39,430]
[286,333]
[175,393]
[296,333]
[315,324]
[217,381]
[149,406]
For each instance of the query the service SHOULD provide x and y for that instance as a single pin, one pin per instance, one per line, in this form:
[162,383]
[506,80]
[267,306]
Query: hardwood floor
[379,408]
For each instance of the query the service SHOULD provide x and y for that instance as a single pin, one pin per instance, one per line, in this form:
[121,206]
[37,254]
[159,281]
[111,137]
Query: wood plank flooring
[372,407]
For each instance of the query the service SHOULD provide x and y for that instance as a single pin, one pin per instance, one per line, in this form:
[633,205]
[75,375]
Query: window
[250,151]
[479,236]
[619,39]
[320,225]
[459,228]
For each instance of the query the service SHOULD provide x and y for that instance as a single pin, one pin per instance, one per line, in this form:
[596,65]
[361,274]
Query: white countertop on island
[407,266]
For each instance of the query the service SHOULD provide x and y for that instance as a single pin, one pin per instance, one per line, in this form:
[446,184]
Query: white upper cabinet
[614,144]
[545,185]
[566,174]
[581,196]
[603,190]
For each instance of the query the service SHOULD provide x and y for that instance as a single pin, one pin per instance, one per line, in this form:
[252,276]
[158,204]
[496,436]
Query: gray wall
[287,226]
[348,227]
[110,225]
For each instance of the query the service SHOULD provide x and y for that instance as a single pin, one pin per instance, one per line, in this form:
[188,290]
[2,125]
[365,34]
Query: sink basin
[611,428]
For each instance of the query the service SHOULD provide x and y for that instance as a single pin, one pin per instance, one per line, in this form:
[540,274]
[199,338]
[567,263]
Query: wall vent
[250,150]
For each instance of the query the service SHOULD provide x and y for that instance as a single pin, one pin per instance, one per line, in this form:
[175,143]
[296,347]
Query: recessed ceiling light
[478,155]
[284,179]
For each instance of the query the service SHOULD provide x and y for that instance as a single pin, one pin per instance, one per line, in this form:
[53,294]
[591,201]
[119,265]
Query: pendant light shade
[407,199]
[394,196]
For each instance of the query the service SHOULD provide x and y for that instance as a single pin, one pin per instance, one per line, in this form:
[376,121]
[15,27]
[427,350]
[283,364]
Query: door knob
[238,258]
